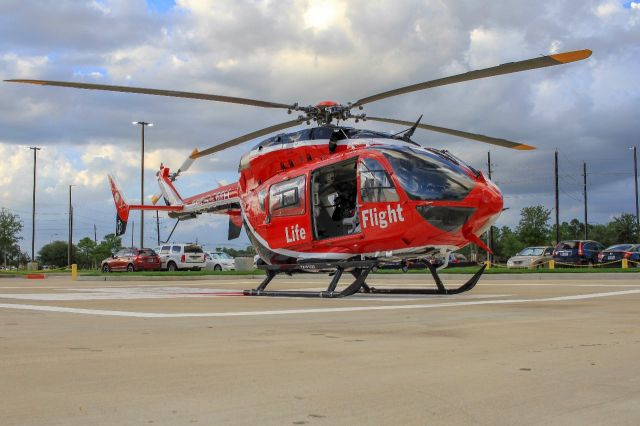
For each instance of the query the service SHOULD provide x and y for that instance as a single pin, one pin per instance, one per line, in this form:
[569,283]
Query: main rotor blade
[475,136]
[510,67]
[241,139]
[172,93]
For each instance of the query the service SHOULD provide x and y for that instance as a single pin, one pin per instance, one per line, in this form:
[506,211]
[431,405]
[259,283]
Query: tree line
[10,228]
[534,229]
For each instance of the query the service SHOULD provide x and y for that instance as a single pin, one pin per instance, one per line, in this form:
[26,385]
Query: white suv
[182,256]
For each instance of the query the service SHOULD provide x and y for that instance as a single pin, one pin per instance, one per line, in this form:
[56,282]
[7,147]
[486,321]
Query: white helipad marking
[123,293]
[311,310]
[558,285]
[171,292]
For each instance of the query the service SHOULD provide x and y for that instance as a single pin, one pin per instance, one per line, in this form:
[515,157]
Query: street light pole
[142,124]
[33,210]
[635,174]
[557,198]
[586,217]
[70,244]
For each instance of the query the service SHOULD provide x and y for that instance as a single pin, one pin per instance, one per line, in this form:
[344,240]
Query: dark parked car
[577,252]
[455,260]
[132,259]
[621,251]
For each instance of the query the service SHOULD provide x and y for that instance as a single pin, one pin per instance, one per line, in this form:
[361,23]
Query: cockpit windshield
[425,176]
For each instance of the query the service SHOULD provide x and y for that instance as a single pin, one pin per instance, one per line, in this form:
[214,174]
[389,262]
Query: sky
[307,51]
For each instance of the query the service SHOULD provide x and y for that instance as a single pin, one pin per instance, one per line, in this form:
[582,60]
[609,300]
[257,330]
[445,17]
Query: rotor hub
[325,112]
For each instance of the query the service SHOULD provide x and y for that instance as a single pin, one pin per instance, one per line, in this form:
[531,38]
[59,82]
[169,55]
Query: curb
[380,277]
[166,278]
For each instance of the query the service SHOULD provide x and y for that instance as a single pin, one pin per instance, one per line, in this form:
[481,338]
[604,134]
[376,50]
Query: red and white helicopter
[336,198]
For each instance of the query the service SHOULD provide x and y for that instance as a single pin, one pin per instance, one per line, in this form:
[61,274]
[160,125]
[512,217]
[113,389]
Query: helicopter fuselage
[360,195]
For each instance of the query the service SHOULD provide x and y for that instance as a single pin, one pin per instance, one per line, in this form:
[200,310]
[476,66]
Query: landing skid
[360,270]
[440,290]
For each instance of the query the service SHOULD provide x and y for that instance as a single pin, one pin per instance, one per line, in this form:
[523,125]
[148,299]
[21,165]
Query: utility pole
[557,200]
[490,234]
[70,244]
[133,227]
[635,174]
[142,124]
[158,226]
[33,210]
[95,240]
[586,221]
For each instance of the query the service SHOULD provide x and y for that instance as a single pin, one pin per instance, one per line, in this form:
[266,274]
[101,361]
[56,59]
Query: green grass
[21,272]
[463,270]
[504,270]
[500,270]
[170,273]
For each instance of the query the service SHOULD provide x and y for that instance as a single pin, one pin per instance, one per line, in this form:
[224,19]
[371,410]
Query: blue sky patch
[161,6]
[91,72]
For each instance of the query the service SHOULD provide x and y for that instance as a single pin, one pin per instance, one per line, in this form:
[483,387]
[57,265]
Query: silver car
[219,261]
[531,257]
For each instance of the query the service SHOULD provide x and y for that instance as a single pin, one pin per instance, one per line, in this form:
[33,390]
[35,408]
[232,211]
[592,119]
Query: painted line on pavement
[311,310]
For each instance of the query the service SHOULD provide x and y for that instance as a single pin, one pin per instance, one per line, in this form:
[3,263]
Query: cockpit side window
[375,184]
[288,198]
[426,177]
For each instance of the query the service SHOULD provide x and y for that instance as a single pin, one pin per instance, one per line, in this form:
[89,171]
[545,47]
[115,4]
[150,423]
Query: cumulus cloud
[607,8]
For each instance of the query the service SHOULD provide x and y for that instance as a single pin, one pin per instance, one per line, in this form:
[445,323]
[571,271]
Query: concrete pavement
[509,352]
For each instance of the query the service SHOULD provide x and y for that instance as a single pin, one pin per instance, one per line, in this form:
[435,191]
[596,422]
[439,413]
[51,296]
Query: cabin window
[287,198]
[375,184]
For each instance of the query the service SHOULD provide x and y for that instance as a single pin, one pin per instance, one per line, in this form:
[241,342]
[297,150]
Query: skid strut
[360,270]
[441,289]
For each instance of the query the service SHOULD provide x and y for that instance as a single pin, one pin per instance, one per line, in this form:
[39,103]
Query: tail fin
[168,191]
[122,208]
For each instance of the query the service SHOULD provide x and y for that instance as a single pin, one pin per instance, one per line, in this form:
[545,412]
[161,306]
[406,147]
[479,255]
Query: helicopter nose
[473,218]
[489,208]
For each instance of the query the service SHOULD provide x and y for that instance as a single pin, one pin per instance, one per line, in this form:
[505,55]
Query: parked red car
[132,259]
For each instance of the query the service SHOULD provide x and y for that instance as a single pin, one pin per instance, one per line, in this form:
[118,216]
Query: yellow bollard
[488,263]
[552,264]
[625,263]
[74,271]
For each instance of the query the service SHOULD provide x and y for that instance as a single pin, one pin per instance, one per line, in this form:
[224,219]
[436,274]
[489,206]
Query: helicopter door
[376,193]
[288,221]
[334,192]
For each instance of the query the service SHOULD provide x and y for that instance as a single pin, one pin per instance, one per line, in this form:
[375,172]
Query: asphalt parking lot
[519,351]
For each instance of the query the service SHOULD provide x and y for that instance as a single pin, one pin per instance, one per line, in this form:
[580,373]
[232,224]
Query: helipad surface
[526,352]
